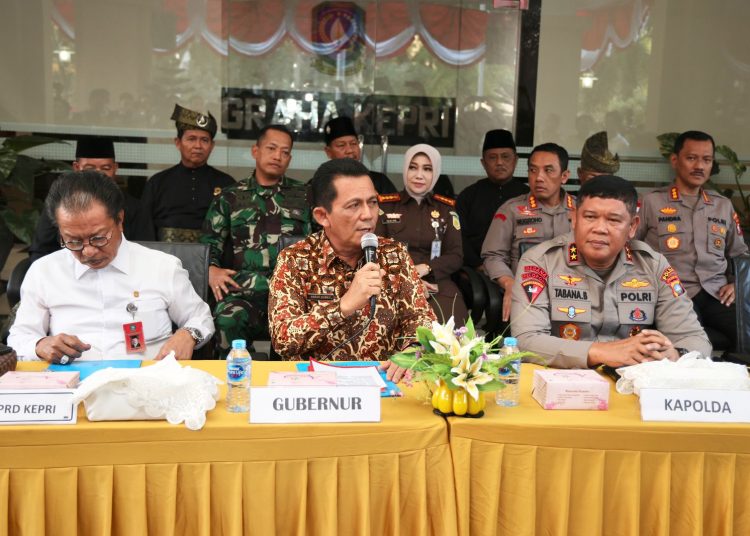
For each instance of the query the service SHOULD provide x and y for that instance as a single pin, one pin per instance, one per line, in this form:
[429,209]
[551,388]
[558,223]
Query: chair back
[742,300]
[194,258]
[287,240]
[13,290]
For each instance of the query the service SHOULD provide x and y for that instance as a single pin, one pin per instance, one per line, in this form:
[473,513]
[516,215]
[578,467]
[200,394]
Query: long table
[523,471]
[231,477]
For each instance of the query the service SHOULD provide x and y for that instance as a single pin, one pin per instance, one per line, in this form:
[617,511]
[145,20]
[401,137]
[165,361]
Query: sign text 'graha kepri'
[403,119]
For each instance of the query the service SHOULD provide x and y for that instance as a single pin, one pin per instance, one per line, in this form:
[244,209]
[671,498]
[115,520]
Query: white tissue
[691,371]
[165,390]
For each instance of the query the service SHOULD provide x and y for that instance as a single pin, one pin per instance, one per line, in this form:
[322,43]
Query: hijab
[435,160]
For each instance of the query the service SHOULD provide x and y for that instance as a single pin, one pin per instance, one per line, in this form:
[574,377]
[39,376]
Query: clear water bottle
[510,375]
[239,371]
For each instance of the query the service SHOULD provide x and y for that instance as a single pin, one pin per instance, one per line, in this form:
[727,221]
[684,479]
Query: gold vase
[447,402]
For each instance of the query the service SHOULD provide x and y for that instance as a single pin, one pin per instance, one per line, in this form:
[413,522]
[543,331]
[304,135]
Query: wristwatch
[195,334]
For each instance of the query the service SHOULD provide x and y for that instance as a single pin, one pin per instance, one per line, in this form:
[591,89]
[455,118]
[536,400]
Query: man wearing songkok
[596,159]
[342,142]
[699,232]
[177,198]
[477,204]
[529,219]
[595,296]
[251,217]
[319,301]
[93,153]
[92,297]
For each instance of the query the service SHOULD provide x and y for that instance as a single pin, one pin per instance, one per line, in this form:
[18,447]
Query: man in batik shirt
[319,296]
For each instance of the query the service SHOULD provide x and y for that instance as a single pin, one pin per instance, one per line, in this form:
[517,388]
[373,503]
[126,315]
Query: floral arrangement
[458,358]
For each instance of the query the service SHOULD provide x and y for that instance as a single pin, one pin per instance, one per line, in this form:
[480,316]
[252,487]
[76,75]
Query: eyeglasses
[94,241]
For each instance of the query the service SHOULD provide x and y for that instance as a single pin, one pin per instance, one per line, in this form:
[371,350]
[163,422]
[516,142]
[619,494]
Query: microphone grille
[369,240]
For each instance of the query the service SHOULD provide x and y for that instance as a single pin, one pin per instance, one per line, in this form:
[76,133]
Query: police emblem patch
[637,315]
[673,242]
[571,311]
[570,332]
[570,280]
[668,210]
[635,283]
[532,288]
[670,277]
[529,230]
[719,243]
[671,228]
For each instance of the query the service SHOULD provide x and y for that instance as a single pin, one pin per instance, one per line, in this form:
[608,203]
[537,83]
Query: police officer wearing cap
[93,153]
[477,204]
[595,296]
[177,198]
[529,219]
[699,232]
[342,142]
[596,159]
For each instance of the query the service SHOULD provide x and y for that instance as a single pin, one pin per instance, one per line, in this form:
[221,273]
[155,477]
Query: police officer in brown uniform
[429,226]
[699,232]
[592,297]
[529,219]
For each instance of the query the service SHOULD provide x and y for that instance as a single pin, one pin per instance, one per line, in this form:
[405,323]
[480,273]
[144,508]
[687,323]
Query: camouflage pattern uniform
[251,218]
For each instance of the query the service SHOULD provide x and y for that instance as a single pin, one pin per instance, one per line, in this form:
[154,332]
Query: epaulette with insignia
[445,200]
[389,198]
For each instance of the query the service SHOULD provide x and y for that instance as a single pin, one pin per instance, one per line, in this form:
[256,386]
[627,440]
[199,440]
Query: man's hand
[181,342]
[367,282]
[54,347]
[726,294]
[648,345]
[506,283]
[393,372]
[220,280]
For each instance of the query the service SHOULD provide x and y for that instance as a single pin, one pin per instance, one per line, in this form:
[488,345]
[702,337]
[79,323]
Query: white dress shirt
[61,295]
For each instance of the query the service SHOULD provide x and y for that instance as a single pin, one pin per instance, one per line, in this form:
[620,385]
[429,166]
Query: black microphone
[369,244]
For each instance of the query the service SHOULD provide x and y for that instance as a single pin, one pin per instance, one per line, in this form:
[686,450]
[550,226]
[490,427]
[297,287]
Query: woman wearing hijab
[428,224]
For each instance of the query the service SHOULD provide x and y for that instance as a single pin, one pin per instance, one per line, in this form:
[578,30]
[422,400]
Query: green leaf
[470,331]
[23,224]
[22,143]
[666,143]
[494,385]
[404,360]
[424,336]
[7,161]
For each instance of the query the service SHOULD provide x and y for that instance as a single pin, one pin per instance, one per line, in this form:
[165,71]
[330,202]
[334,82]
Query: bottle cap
[510,341]
[240,344]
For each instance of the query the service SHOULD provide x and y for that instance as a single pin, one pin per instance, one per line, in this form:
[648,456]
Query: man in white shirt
[91,298]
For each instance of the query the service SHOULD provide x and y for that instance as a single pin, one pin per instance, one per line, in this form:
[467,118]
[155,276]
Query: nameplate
[314,404]
[37,406]
[695,405]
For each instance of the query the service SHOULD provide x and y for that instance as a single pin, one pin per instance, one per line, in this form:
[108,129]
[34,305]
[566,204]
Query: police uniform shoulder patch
[389,198]
[670,277]
[444,200]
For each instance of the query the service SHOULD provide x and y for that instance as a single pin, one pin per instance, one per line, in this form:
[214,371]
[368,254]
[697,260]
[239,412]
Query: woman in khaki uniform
[428,225]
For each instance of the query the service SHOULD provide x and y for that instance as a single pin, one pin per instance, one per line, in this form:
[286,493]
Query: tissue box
[570,389]
[38,380]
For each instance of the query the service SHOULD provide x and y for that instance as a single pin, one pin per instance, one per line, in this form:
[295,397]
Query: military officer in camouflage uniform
[699,232]
[251,217]
[591,297]
[529,219]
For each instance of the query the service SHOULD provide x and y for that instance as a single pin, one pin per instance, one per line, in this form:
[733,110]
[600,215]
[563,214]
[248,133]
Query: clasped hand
[648,345]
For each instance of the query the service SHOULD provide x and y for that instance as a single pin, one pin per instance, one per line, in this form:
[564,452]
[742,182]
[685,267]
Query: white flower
[469,375]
